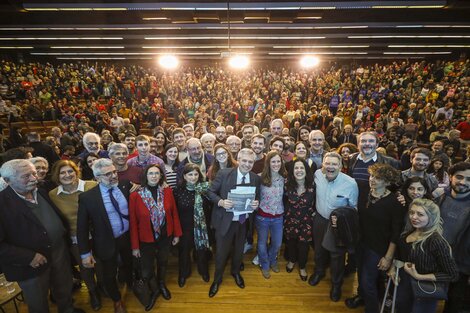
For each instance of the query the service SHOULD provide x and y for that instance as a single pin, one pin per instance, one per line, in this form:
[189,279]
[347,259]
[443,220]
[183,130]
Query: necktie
[116,207]
[242,218]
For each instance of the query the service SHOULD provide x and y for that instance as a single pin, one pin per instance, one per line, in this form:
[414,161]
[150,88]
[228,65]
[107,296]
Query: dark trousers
[324,257]
[235,237]
[185,246]
[251,229]
[370,274]
[110,266]
[58,277]
[457,295]
[297,251]
[159,250]
[87,274]
[406,302]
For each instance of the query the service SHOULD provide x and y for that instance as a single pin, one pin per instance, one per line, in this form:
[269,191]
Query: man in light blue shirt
[333,189]
[103,211]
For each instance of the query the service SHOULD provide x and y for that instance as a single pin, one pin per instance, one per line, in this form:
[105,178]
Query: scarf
[156,209]
[201,238]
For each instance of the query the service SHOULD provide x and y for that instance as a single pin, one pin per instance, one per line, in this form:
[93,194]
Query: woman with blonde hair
[426,255]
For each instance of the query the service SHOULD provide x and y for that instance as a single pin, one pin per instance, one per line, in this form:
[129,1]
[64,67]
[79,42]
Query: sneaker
[247,247]
[275,268]
[266,274]
[255,260]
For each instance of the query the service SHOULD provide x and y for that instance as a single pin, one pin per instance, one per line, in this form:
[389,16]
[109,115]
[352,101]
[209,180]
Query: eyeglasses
[92,144]
[221,154]
[195,149]
[153,174]
[109,174]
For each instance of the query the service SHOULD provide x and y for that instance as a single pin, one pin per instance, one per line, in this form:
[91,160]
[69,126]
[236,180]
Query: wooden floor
[283,292]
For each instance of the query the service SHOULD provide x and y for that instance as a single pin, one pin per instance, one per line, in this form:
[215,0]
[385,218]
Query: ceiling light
[168,61]
[10,47]
[309,61]
[154,18]
[86,47]
[239,62]
[423,52]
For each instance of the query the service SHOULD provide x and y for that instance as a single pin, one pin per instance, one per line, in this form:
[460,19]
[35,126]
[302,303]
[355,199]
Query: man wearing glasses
[103,211]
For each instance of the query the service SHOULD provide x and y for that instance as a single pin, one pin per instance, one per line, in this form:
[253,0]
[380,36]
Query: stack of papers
[241,197]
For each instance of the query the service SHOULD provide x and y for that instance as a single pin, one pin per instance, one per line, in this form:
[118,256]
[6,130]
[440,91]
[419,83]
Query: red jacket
[139,218]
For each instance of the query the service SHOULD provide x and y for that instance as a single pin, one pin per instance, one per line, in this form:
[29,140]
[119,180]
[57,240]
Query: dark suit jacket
[92,218]
[22,236]
[352,139]
[225,181]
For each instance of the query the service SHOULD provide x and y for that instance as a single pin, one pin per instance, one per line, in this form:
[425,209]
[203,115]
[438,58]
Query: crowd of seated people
[159,152]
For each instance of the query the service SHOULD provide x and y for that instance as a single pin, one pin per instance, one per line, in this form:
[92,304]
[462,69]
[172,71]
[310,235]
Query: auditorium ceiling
[278,30]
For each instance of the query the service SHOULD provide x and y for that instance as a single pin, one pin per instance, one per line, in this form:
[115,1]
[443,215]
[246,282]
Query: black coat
[92,218]
[22,236]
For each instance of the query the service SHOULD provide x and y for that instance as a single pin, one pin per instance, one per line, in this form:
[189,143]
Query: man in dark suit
[33,248]
[230,230]
[103,210]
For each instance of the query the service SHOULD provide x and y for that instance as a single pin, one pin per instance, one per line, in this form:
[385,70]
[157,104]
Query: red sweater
[139,218]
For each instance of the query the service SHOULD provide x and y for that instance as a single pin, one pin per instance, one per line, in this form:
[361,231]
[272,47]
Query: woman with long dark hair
[171,164]
[269,217]
[154,225]
[299,206]
[86,163]
[194,212]
[222,159]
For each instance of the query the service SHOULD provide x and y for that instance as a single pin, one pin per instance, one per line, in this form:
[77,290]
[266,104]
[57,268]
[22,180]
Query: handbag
[140,287]
[426,289]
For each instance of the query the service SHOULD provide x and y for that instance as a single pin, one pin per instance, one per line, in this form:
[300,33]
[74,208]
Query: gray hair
[99,164]
[117,146]
[88,135]
[232,137]
[277,120]
[246,151]
[38,159]
[9,168]
[207,136]
[333,154]
[314,132]
[188,125]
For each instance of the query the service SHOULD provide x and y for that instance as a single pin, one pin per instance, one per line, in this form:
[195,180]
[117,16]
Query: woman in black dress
[194,213]
[299,206]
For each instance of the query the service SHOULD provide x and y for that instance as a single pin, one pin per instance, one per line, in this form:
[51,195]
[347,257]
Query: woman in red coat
[154,224]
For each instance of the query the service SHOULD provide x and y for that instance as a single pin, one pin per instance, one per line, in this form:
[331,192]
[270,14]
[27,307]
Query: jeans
[369,276]
[266,226]
[407,303]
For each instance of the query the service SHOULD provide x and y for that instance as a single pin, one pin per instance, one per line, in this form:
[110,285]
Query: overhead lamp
[309,61]
[239,62]
[168,61]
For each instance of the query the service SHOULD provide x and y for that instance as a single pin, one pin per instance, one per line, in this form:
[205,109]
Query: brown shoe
[119,307]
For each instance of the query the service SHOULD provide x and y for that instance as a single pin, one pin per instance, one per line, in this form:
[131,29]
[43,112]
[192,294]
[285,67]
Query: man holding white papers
[230,229]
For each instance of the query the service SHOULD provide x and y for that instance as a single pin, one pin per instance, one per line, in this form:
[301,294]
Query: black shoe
[165,292]
[302,277]
[289,269]
[95,300]
[181,281]
[335,293]
[206,278]
[239,280]
[354,302]
[153,299]
[214,289]
[242,267]
[315,279]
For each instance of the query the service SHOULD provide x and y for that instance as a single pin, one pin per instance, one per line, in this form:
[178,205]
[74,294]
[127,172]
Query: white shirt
[80,187]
